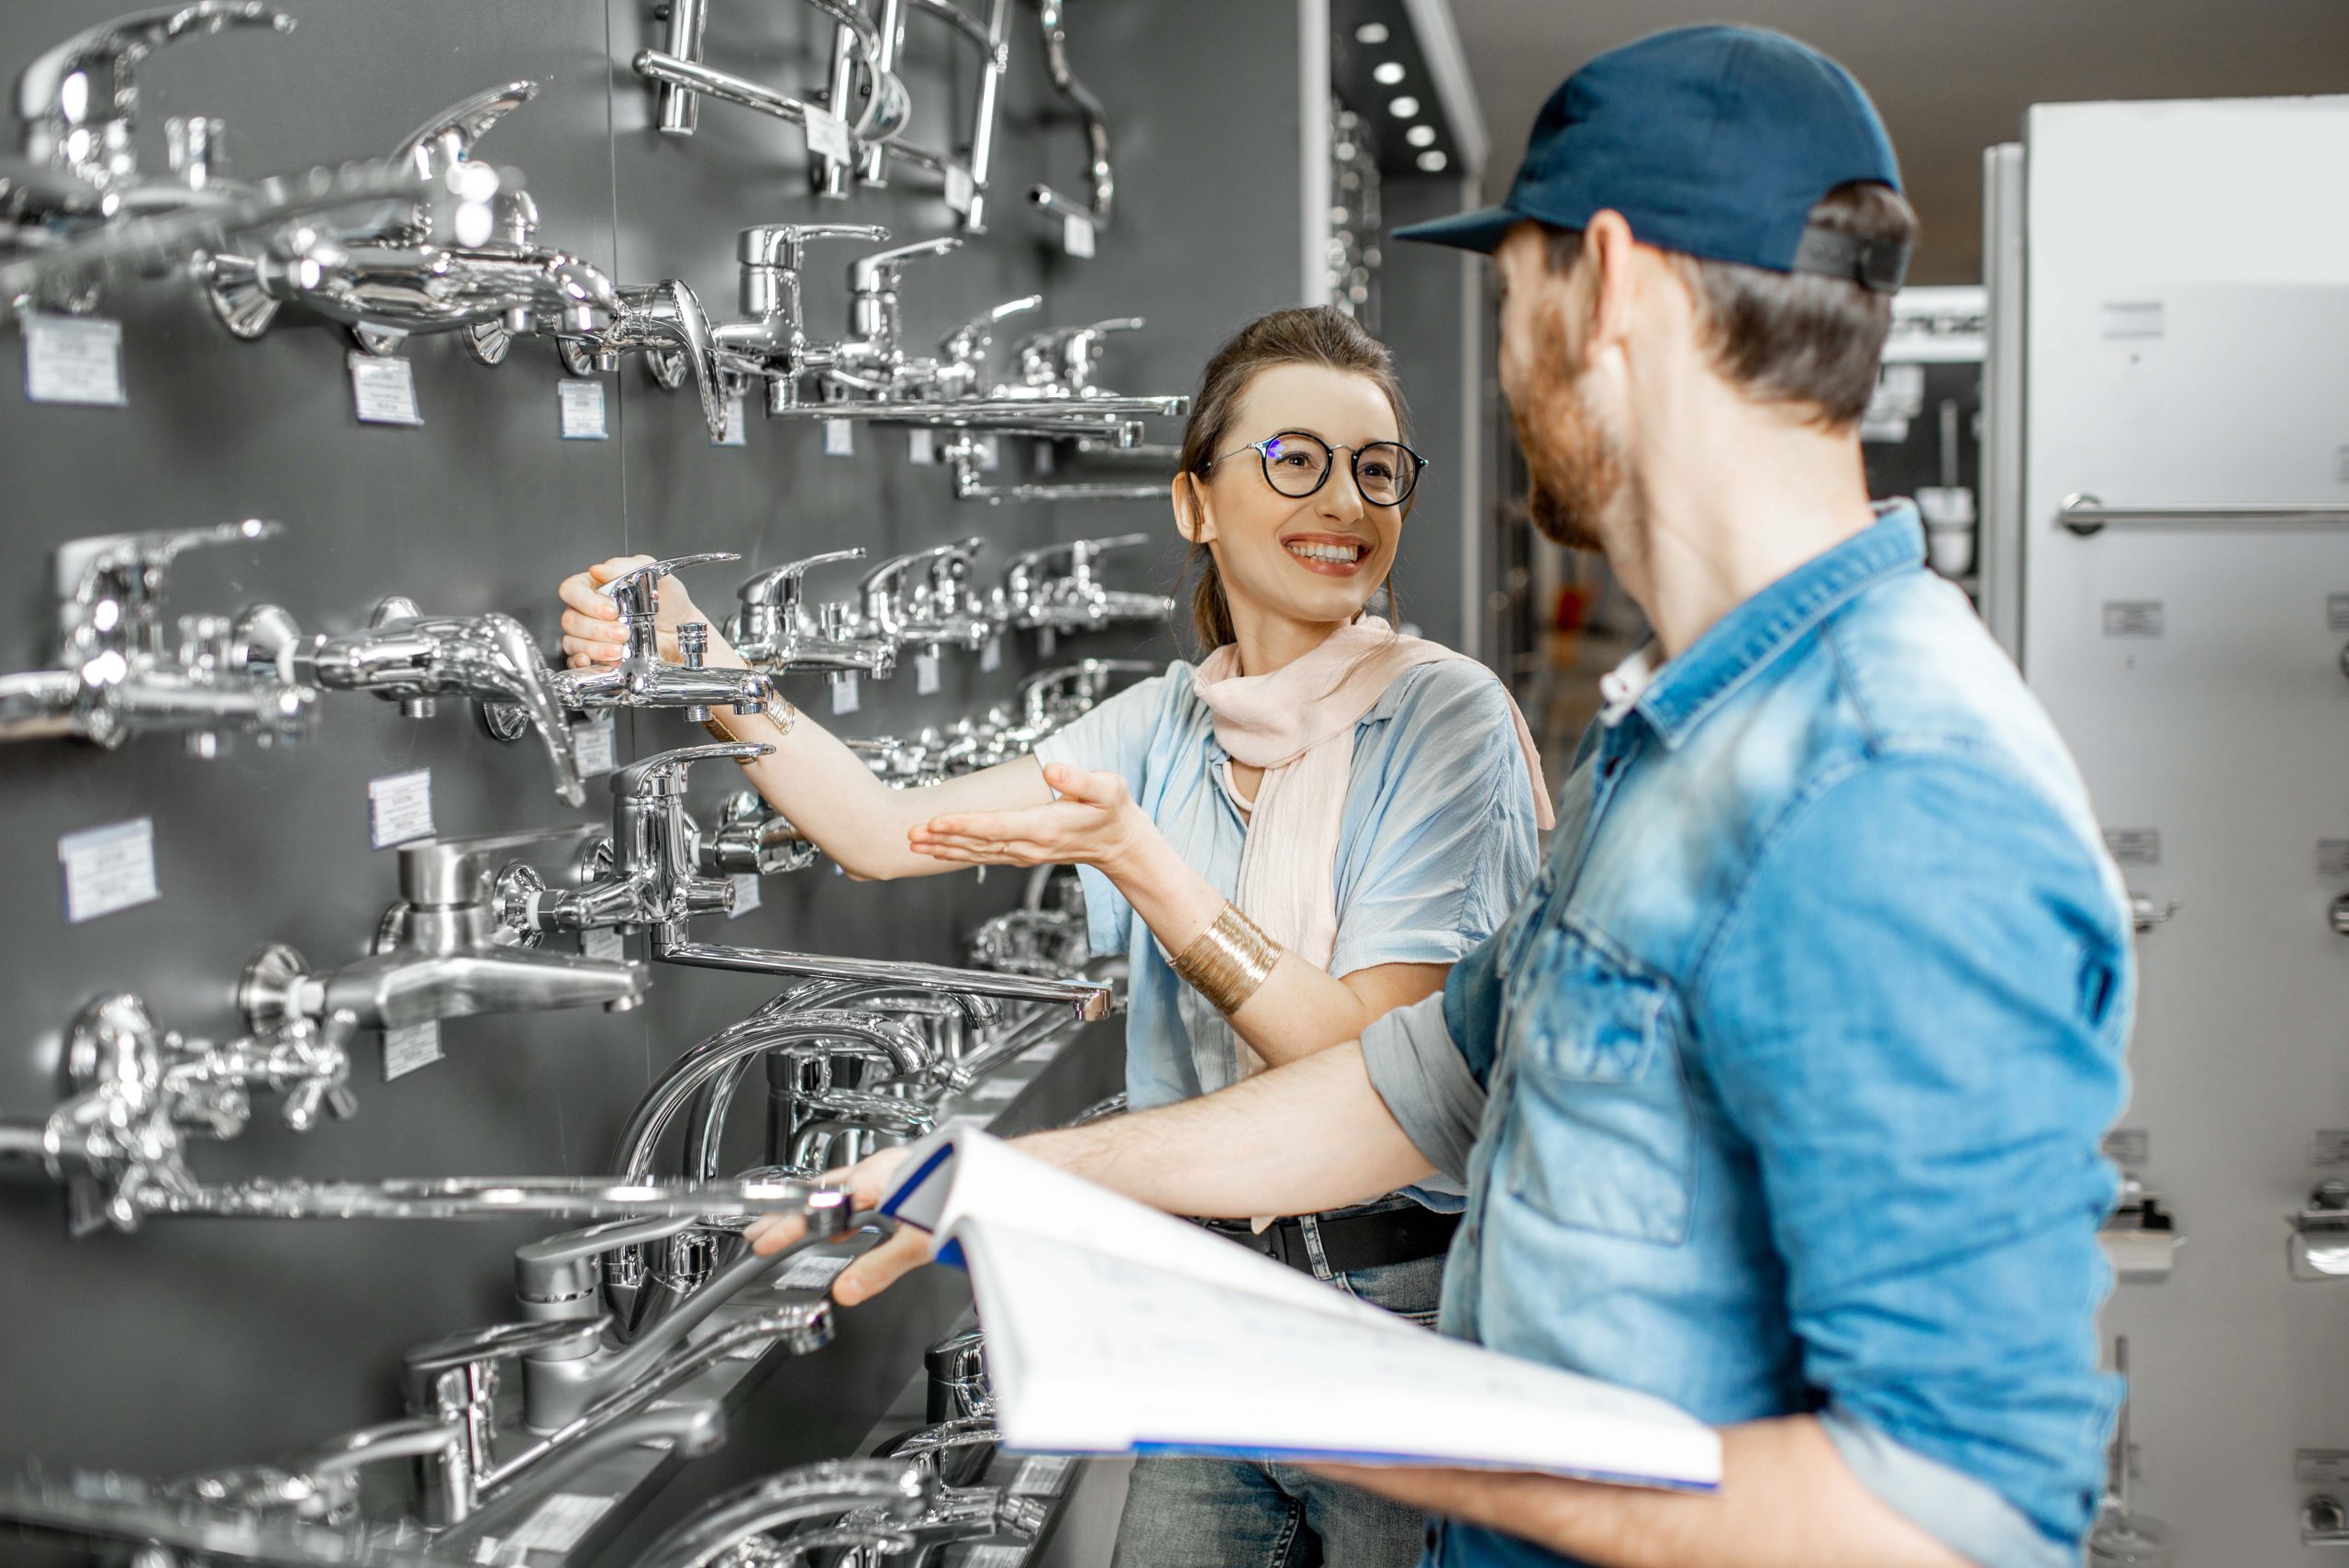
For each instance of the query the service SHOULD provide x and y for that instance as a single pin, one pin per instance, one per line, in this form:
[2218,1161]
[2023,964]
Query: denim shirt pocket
[1600,1138]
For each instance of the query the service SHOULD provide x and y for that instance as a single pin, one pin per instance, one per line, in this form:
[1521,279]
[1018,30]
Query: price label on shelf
[738,426]
[382,389]
[108,868]
[746,894]
[603,944]
[74,359]
[399,808]
[597,747]
[1076,234]
[581,404]
[961,191]
[991,655]
[840,438]
[844,693]
[926,672]
[827,136]
[921,447]
[405,1049]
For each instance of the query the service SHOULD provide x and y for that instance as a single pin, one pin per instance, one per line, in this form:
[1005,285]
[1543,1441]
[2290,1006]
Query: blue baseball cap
[1713,141]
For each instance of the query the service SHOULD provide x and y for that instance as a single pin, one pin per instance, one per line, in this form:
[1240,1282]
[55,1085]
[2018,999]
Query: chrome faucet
[752,839]
[1050,698]
[402,274]
[774,630]
[924,598]
[118,672]
[407,657]
[1057,586]
[962,354]
[771,344]
[666,323]
[727,1532]
[1095,211]
[642,679]
[165,1525]
[1061,362]
[872,362]
[443,951]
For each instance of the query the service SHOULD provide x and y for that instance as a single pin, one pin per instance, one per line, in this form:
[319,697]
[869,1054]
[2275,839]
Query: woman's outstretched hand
[868,1182]
[1094,822]
[591,622]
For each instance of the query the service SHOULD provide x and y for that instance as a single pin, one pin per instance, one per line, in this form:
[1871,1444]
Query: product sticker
[996,1556]
[2329,1146]
[2132,617]
[811,1272]
[840,438]
[827,136]
[2327,1467]
[405,1049]
[2129,319]
[382,389]
[736,431]
[926,672]
[597,747]
[1042,1476]
[581,404]
[961,191]
[399,808]
[562,1522]
[746,894]
[844,693]
[991,654]
[1076,235]
[603,944]
[2134,846]
[921,447]
[986,453]
[108,868]
[2128,1146]
[74,359]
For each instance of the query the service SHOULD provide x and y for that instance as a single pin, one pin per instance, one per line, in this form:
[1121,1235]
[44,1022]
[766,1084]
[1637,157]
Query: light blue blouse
[1438,843]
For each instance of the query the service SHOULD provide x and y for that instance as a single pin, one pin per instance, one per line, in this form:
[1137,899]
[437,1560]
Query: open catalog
[1114,1328]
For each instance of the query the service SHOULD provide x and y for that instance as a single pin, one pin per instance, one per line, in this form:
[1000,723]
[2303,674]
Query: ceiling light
[1403,108]
[1433,162]
[1420,136]
[1371,32]
[1387,72]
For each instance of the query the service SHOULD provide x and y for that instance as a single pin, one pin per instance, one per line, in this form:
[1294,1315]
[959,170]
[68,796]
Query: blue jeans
[1224,1513]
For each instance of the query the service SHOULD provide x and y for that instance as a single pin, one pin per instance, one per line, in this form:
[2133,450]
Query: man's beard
[1578,474]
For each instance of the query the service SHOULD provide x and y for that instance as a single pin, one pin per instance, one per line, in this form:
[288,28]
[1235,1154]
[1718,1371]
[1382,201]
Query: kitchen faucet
[642,679]
[717,1536]
[774,630]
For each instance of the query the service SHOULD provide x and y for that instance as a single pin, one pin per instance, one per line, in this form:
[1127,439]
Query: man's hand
[591,622]
[1094,822]
[867,1181]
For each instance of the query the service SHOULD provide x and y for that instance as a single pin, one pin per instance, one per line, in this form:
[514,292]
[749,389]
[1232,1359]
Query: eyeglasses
[1298,463]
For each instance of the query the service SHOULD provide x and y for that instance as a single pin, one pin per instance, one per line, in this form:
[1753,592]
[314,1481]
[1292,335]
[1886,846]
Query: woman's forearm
[1301,1008]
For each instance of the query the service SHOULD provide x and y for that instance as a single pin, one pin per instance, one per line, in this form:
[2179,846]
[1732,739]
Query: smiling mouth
[1327,553]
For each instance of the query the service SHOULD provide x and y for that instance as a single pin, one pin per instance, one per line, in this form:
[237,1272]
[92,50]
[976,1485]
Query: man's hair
[1797,338]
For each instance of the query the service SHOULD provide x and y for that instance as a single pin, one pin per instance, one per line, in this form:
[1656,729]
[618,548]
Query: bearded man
[1781,1093]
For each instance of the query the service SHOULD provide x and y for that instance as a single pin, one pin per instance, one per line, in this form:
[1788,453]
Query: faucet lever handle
[785,244]
[969,342]
[664,773]
[424,1365]
[638,590]
[779,585]
[448,138]
[82,562]
[868,274]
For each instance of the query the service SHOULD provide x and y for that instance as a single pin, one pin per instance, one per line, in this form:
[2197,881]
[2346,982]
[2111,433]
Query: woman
[1312,826]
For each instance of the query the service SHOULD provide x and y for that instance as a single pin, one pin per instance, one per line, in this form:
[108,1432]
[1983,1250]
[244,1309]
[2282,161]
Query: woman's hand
[868,1182]
[591,622]
[1094,822]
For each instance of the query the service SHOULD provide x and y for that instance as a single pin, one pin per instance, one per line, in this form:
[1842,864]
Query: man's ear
[1610,252]
[1193,517]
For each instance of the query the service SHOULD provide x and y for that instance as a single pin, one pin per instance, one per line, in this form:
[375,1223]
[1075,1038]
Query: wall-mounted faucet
[119,674]
[727,1530]
[443,951]
[925,599]
[157,1523]
[871,361]
[966,178]
[407,657]
[1058,586]
[859,77]
[769,344]
[1095,211]
[643,678]
[481,270]
[776,631]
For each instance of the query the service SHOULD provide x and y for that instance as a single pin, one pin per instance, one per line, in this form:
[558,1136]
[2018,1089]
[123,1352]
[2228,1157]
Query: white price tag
[399,808]
[961,191]
[597,747]
[382,389]
[827,136]
[991,655]
[811,1272]
[108,868]
[921,447]
[840,438]
[746,894]
[582,406]
[405,1049]
[603,944]
[1076,235]
[989,455]
[737,426]
[562,1522]
[995,1556]
[1046,640]
[926,672]
[74,359]
[844,693]
[1042,1476]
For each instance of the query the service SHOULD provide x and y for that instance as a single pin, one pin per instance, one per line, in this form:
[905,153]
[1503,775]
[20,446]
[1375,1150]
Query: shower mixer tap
[771,344]
[642,679]
[775,630]
[925,599]
[1057,587]
[730,1531]
[120,673]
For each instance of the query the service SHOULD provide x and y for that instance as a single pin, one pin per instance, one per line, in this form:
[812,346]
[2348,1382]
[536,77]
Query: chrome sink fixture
[410,269]
[167,1527]
[1057,587]
[443,951]
[407,657]
[642,679]
[965,177]
[1095,211]
[860,76]
[732,1530]
[138,1095]
[120,673]
[776,631]
[924,599]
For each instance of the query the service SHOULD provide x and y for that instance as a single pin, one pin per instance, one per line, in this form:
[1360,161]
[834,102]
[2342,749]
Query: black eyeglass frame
[1353,465]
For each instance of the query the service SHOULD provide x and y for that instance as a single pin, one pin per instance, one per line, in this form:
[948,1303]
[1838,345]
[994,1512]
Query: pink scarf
[1297,724]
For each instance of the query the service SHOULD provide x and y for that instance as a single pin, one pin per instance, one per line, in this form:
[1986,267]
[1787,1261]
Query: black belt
[1349,1242]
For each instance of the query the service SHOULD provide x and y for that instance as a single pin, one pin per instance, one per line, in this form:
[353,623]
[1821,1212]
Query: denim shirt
[1782,1092]
[1436,844]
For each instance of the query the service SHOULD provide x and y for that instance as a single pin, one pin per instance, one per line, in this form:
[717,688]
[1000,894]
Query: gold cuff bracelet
[1230,961]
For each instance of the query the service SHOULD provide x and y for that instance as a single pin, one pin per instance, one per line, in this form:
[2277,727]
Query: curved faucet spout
[395,990]
[796,1495]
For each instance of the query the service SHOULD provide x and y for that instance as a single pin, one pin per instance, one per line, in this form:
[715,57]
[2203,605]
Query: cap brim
[1479,231]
